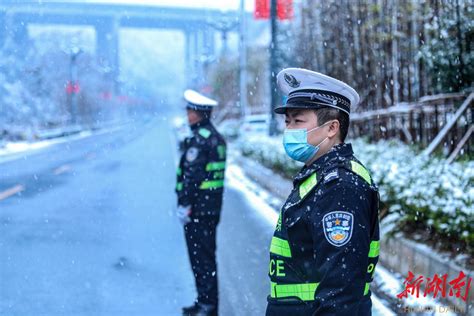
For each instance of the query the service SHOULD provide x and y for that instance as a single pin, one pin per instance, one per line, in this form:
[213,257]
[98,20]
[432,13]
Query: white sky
[212,4]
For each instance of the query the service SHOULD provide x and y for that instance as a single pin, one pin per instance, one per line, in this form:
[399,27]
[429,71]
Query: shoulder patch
[338,227]
[191,154]
[333,175]
[204,132]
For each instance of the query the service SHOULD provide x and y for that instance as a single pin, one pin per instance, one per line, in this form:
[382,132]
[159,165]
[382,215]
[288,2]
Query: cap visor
[198,107]
[282,108]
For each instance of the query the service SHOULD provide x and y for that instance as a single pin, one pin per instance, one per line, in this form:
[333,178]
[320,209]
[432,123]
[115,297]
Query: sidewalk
[14,150]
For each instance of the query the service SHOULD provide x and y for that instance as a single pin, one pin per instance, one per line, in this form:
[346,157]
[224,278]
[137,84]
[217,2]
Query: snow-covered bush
[426,192]
[269,151]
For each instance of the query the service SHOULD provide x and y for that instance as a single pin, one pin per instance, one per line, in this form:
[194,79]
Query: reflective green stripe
[221,151]
[367,287]
[307,185]
[179,172]
[212,166]
[280,247]
[204,132]
[278,227]
[374,248]
[211,184]
[179,186]
[218,175]
[303,291]
[361,171]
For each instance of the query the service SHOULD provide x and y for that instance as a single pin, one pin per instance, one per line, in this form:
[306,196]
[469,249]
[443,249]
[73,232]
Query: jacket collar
[199,124]
[337,152]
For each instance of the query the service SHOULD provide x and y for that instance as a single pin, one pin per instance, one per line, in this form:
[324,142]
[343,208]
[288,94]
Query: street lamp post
[224,27]
[273,65]
[243,61]
[73,84]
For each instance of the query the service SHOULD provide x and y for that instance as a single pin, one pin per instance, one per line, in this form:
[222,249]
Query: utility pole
[73,83]
[243,61]
[273,65]
[224,26]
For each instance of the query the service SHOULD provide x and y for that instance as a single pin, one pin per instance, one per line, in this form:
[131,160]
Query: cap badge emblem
[291,80]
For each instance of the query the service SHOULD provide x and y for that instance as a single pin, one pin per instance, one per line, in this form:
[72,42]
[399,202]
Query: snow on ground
[16,147]
[12,150]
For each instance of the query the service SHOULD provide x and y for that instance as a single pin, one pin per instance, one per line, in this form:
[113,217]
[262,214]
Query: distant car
[255,124]
[229,128]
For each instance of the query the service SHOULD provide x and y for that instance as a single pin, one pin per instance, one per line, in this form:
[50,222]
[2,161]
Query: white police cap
[198,102]
[312,90]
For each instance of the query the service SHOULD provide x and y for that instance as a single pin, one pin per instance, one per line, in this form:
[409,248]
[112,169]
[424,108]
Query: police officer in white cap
[326,242]
[200,186]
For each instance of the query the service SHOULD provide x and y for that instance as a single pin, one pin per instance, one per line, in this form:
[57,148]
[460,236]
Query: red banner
[72,88]
[284,9]
[262,9]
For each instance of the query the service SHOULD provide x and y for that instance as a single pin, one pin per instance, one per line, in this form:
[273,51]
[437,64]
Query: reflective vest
[319,246]
[201,170]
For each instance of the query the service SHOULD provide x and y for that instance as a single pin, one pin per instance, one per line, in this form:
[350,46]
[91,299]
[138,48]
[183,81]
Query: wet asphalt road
[90,230]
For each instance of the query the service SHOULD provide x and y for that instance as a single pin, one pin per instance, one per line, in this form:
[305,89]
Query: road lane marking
[12,191]
[62,169]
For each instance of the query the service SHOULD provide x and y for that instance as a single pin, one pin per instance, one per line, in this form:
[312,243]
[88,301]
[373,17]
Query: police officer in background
[326,242]
[200,185]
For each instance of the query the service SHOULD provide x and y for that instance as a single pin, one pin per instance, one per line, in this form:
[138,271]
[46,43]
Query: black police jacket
[200,175]
[326,242]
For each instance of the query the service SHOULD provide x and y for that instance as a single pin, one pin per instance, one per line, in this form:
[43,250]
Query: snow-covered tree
[448,52]
[389,51]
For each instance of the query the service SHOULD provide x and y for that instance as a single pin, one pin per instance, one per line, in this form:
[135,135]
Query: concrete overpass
[198,25]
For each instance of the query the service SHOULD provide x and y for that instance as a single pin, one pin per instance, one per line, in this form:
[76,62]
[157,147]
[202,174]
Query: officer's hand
[183,213]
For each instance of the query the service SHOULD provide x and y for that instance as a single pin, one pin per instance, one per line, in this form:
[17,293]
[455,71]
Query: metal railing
[445,119]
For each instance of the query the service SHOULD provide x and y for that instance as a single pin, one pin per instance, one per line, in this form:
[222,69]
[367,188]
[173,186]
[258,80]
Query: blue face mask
[295,142]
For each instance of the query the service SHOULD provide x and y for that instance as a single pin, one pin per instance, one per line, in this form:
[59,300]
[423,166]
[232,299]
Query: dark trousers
[201,241]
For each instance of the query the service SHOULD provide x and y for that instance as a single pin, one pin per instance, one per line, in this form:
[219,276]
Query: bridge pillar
[209,42]
[198,59]
[187,57]
[209,53]
[107,49]
[3,28]
[205,50]
[192,57]
[199,54]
